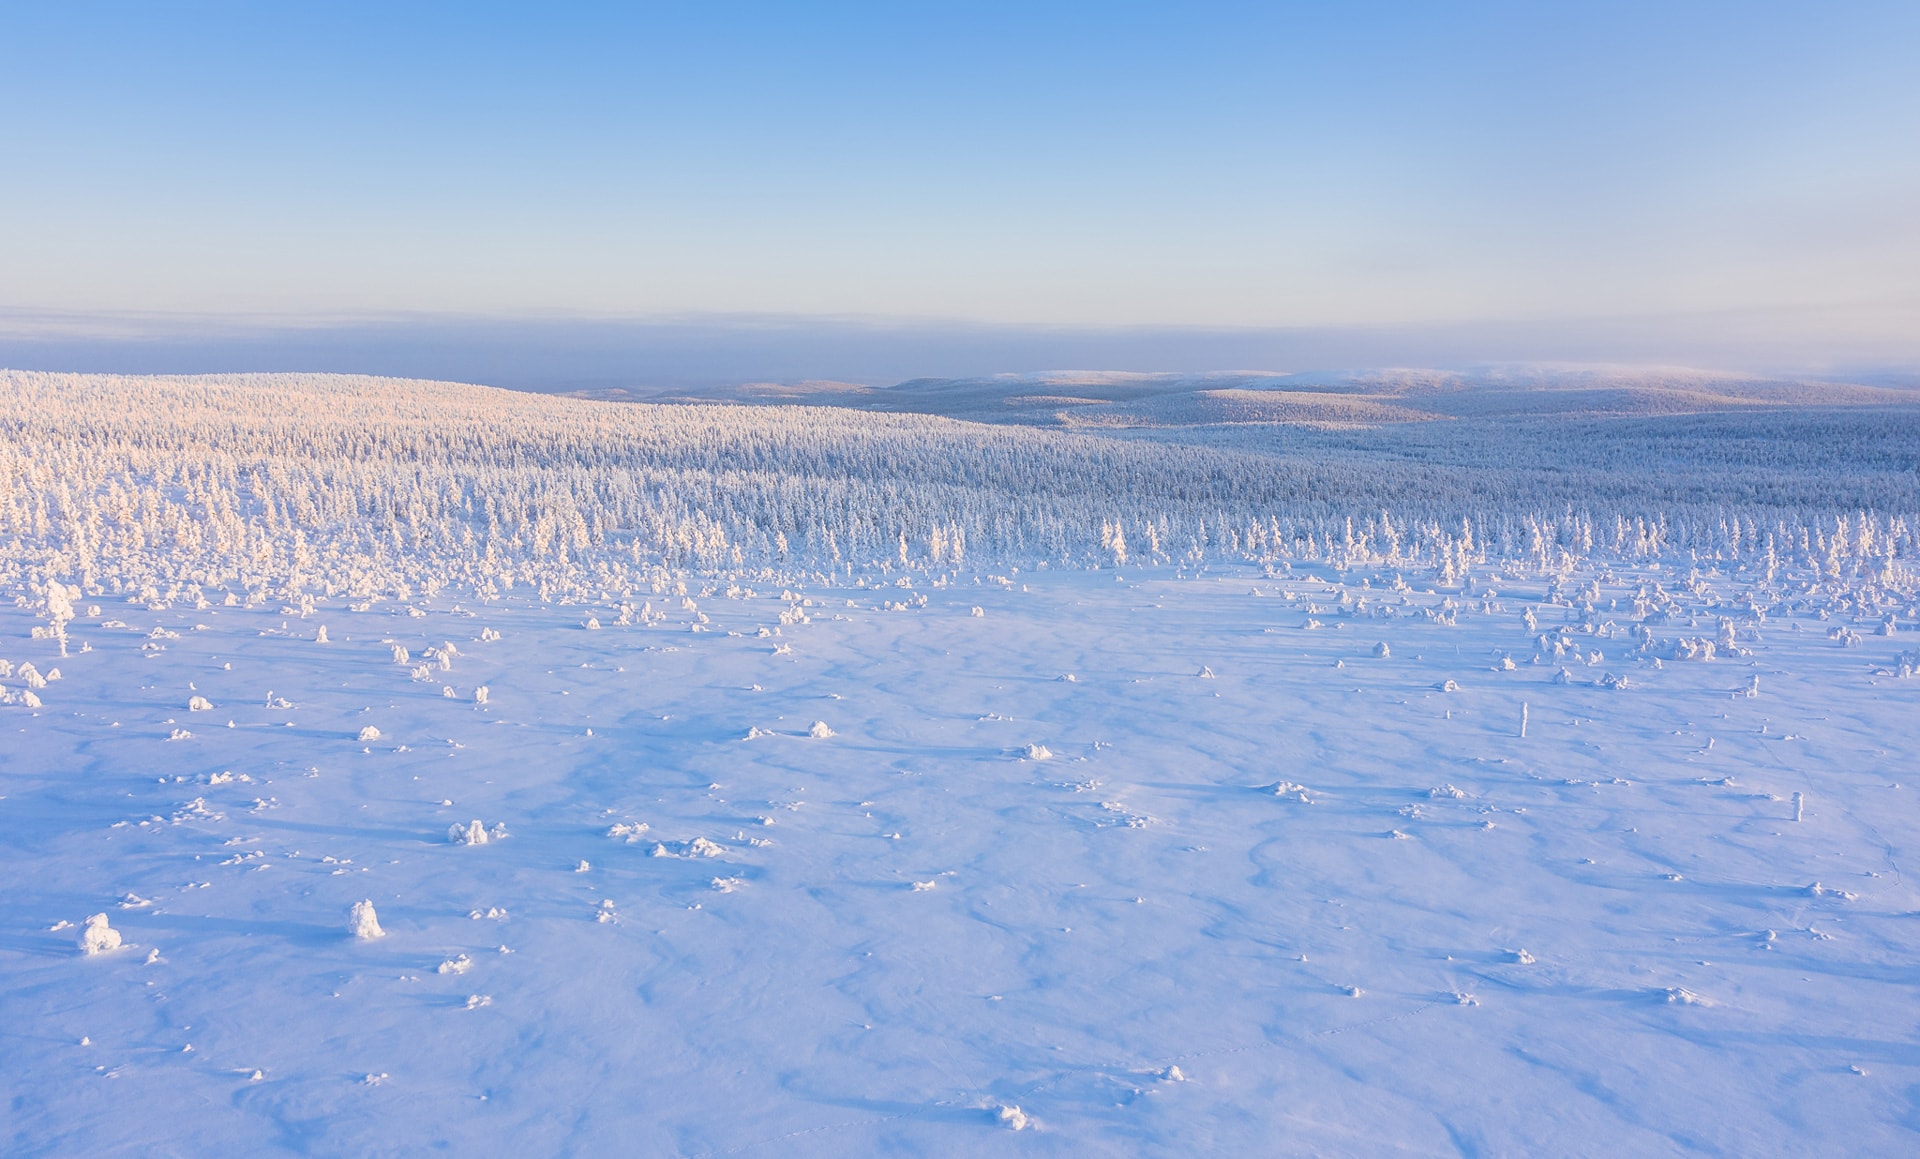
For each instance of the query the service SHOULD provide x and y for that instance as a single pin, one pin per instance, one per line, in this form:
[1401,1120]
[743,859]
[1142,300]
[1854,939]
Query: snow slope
[1169,862]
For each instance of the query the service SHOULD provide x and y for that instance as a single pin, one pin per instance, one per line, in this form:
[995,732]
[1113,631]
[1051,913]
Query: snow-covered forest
[355,487]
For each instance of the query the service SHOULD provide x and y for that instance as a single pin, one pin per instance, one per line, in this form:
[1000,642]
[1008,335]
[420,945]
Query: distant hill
[1362,397]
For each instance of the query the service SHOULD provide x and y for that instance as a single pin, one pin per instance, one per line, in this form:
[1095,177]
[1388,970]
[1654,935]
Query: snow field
[1538,912]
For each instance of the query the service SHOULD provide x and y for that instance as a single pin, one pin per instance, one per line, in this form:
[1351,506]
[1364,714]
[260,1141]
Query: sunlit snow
[750,802]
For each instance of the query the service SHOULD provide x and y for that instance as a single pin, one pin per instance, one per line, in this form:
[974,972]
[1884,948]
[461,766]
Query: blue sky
[1290,166]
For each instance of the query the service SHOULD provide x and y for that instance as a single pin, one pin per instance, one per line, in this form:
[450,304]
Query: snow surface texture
[1545,874]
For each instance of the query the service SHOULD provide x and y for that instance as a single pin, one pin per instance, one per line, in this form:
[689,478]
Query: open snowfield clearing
[1133,861]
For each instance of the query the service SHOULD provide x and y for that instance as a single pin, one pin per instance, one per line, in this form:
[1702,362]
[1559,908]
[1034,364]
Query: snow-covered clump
[474,833]
[698,847]
[363,922]
[369,733]
[199,704]
[1012,1118]
[1038,752]
[1694,648]
[630,832]
[480,695]
[819,731]
[98,937]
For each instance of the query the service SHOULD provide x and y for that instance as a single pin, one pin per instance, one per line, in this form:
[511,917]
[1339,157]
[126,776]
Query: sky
[1711,180]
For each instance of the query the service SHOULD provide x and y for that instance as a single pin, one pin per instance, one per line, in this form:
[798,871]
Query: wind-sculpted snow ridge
[303,487]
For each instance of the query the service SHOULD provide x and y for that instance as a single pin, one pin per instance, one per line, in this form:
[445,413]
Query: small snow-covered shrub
[819,731]
[369,733]
[474,833]
[363,922]
[199,704]
[98,937]
[1038,752]
[480,695]
[698,847]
